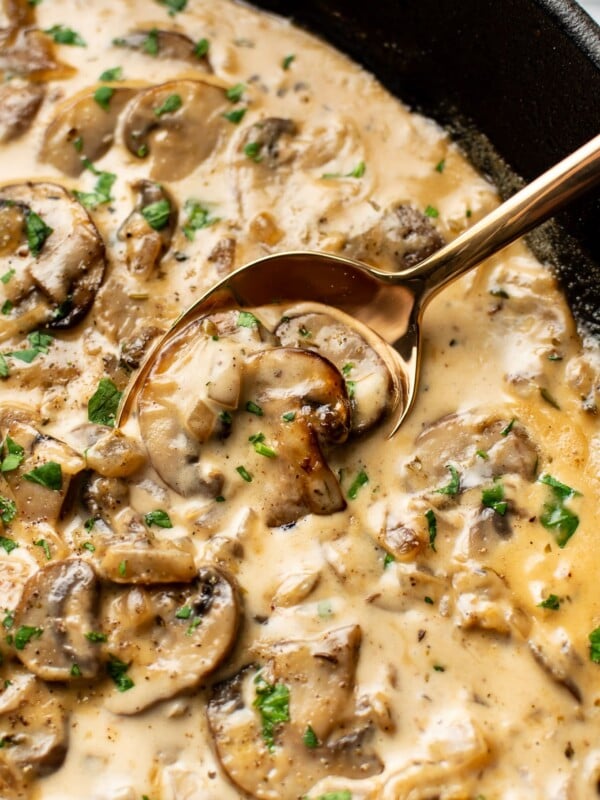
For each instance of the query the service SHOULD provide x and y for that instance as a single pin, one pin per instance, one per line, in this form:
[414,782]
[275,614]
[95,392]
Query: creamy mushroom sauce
[400,641]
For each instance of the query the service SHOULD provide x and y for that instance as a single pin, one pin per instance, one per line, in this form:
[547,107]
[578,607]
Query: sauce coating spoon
[389,303]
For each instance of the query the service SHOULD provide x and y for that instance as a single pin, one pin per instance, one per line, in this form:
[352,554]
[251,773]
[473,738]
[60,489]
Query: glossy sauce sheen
[460,707]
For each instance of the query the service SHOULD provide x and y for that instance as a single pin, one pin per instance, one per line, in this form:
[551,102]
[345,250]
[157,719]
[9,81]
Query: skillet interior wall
[516,83]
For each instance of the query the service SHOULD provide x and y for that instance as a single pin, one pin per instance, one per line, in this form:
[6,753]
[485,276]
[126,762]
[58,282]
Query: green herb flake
[310,738]
[174,6]
[4,370]
[225,417]
[40,341]
[185,612]
[103,404]
[558,488]
[552,602]
[560,520]
[45,547]
[9,619]
[505,431]
[263,450]
[431,212]
[193,625]
[37,232]
[171,104]
[428,600]
[347,369]
[254,408]
[219,499]
[358,171]
[8,510]
[287,61]
[344,794]
[440,166]
[114,74]
[252,151]
[594,639]
[14,455]
[78,144]
[452,488]
[96,636]
[235,116]
[482,454]
[289,416]
[432,528]
[159,518]
[273,704]
[63,35]
[48,475]
[89,546]
[7,307]
[554,357]
[351,388]
[439,668]
[103,96]
[89,523]
[545,394]
[157,214]
[101,193]
[7,276]
[75,671]
[25,634]
[123,568]
[7,544]
[235,93]
[198,217]
[201,48]
[27,356]
[361,480]
[244,474]
[116,670]
[493,497]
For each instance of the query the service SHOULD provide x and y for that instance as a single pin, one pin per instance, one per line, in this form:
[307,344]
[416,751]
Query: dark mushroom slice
[310,392]
[401,238]
[33,728]
[19,103]
[54,256]
[16,13]
[332,335]
[57,609]
[41,499]
[82,128]
[268,142]
[172,637]
[166,45]
[29,53]
[176,125]
[272,761]
[186,399]
[148,230]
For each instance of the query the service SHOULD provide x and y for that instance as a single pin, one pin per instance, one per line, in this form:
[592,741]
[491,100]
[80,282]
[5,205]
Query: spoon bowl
[387,307]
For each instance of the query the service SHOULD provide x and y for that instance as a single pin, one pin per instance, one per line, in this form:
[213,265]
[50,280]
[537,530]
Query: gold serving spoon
[389,303]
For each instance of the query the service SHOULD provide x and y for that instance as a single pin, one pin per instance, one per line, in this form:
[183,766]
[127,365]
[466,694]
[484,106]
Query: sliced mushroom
[134,348]
[82,129]
[171,637]
[33,728]
[29,53]
[35,501]
[368,380]
[555,654]
[16,13]
[401,238]
[115,455]
[19,103]
[267,142]
[176,124]
[148,238]
[56,271]
[59,605]
[223,255]
[319,675]
[166,45]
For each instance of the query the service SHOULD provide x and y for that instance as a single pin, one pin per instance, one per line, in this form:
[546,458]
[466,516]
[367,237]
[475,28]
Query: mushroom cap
[55,288]
[175,140]
[320,676]
[80,117]
[60,601]
[19,103]
[29,53]
[169,45]
[172,637]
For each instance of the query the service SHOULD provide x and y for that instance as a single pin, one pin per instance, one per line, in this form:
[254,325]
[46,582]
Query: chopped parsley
[75,671]
[244,474]
[235,116]
[40,341]
[36,231]
[48,475]
[432,528]
[174,6]
[254,408]
[25,634]
[193,625]
[63,35]
[387,560]
[91,548]
[252,151]
[287,61]
[7,276]
[202,47]
[428,600]
[260,447]
[89,523]
[185,612]
[440,166]
[594,639]
[557,517]
[505,431]
[171,104]
[101,193]
[198,217]
[96,636]
[4,370]
[482,454]
[289,416]
[347,369]
[235,93]
[361,480]
[545,394]
[559,489]
[310,738]
[103,96]
[493,497]
[116,670]
[246,319]
[439,668]
[358,172]
[273,704]
[351,388]
[157,214]
[344,794]
[159,518]
[452,488]
[14,455]
[8,510]
[114,74]
[8,544]
[7,307]
[123,568]
[103,404]
[552,602]
[45,547]
[150,45]
[9,619]
[431,212]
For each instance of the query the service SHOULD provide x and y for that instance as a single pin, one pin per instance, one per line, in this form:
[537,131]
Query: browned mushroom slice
[52,254]
[33,728]
[166,44]
[19,103]
[82,128]
[267,142]
[16,13]
[56,610]
[401,238]
[175,124]
[148,230]
[332,335]
[171,637]
[42,467]
[313,681]
[30,53]
[115,455]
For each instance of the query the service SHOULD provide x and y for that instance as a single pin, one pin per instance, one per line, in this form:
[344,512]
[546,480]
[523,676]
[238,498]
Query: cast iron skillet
[516,82]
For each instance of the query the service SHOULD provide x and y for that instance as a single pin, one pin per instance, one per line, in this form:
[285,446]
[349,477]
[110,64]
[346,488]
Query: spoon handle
[538,201]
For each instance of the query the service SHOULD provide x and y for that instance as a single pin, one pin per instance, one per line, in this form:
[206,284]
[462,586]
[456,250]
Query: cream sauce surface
[471,688]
